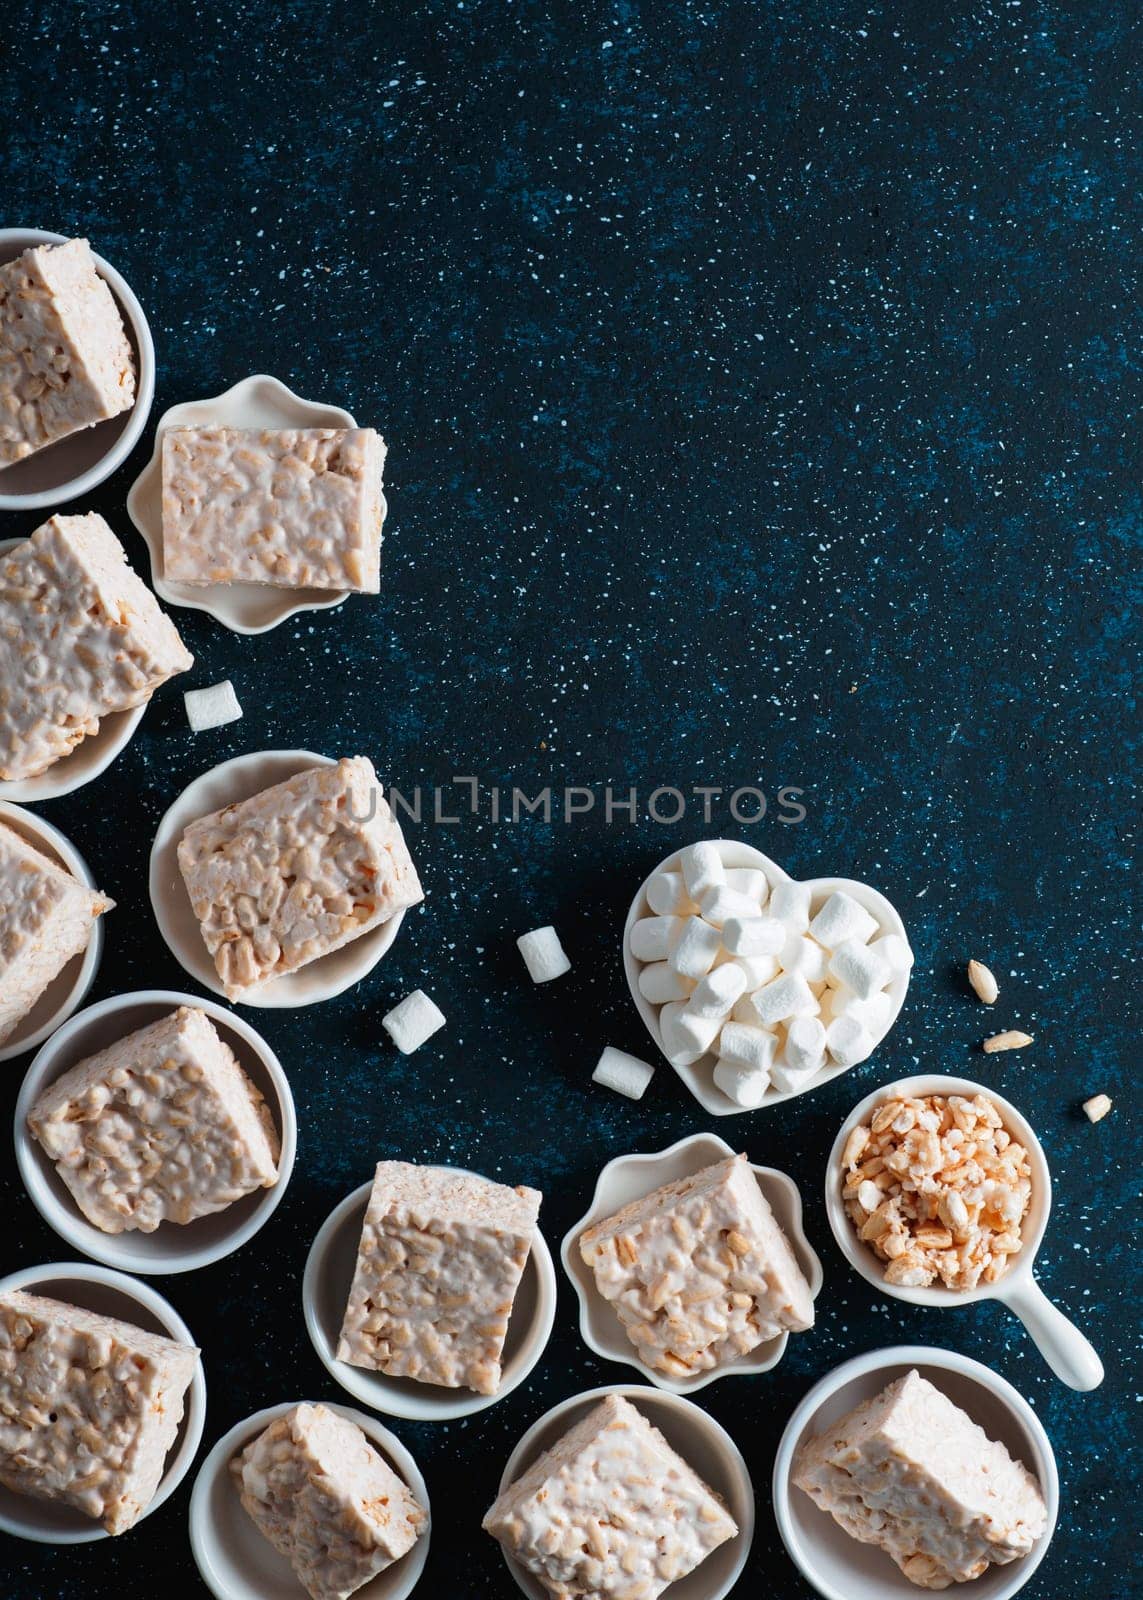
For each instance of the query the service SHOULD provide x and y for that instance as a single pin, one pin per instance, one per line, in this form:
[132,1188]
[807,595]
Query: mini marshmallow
[626,1074]
[747,1046]
[660,983]
[894,951]
[413,1020]
[744,1085]
[873,1013]
[758,969]
[650,938]
[677,1047]
[715,994]
[790,1079]
[805,1045]
[842,919]
[695,948]
[803,954]
[696,1031]
[721,903]
[859,968]
[790,903]
[787,996]
[543,955]
[213,707]
[848,1040]
[702,868]
[750,881]
[667,895]
[753,936]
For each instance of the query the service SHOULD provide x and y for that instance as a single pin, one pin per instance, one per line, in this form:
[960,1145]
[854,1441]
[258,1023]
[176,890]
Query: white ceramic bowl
[325,1292]
[703,1445]
[1059,1341]
[173,1247]
[75,465]
[110,1294]
[629,1178]
[699,1076]
[237,1563]
[257,402]
[69,988]
[222,786]
[841,1568]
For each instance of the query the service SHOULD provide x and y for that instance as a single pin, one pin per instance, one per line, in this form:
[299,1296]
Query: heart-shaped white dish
[699,1075]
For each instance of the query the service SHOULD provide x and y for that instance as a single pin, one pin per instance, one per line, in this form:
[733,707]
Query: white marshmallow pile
[752,975]
[543,955]
[213,707]
[413,1020]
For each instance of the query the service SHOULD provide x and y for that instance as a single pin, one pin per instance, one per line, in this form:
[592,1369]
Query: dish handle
[1065,1349]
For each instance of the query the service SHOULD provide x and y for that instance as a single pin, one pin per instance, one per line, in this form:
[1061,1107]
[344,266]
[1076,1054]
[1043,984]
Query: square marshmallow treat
[162,1126]
[296,507]
[610,1511]
[440,1260]
[294,872]
[89,1407]
[316,1488]
[46,918]
[699,1272]
[81,636]
[65,360]
[910,1472]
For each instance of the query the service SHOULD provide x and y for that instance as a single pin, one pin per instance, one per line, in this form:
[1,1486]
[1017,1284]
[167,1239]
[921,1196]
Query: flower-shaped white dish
[630,1177]
[841,1568]
[109,1294]
[173,1247]
[325,1292]
[704,1446]
[256,402]
[90,757]
[1065,1349]
[237,1563]
[225,785]
[68,989]
[76,464]
[698,1076]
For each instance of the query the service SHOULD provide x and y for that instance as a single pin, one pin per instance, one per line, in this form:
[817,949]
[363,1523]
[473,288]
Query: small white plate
[68,989]
[173,1247]
[705,1446]
[256,402]
[325,1292]
[699,1076]
[75,465]
[223,786]
[629,1178]
[109,1294]
[841,1568]
[237,1563]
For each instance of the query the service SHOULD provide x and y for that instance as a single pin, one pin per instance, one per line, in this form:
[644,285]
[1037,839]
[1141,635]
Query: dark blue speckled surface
[761,386]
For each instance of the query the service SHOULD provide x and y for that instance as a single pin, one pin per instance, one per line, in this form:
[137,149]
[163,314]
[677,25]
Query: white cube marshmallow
[786,996]
[894,951]
[790,1079]
[677,1048]
[213,707]
[543,955]
[848,1040]
[412,1021]
[860,968]
[695,948]
[667,895]
[790,903]
[758,969]
[696,1031]
[660,983]
[873,1013]
[805,1045]
[842,919]
[802,954]
[753,936]
[702,868]
[715,994]
[744,1085]
[750,881]
[651,938]
[626,1074]
[721,903]
[748,1046]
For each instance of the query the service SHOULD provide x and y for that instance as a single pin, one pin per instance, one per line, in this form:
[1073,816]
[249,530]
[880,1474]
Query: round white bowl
[110,1294]
[257,402]
[325,1293]
[237,1563]
[699,1076]
[703,1445]
[1062,1345]
[75,465]
[223,786]
[173,1247]
[69,988]
[841,1568]
[629,1178]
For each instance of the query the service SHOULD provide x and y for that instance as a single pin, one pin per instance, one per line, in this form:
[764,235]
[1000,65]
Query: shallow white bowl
[74,465]
[629,1178]
[237,1563]
[110,1294]
[68,989]
[256,402]
[1059,1341]
[841,1568]
[173,1247]
[699,1076]
[222,786]
[703,1445]
[325,1292]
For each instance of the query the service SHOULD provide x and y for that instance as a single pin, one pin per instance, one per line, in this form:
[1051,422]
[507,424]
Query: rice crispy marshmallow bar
[438,1266]
[89,1407]
[295,872]
[298,507]
[65,360]
[699,1272]
[316,1488]
[910,1472]
[81,636]
[610,1512]
[46,918]
[162,1126]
